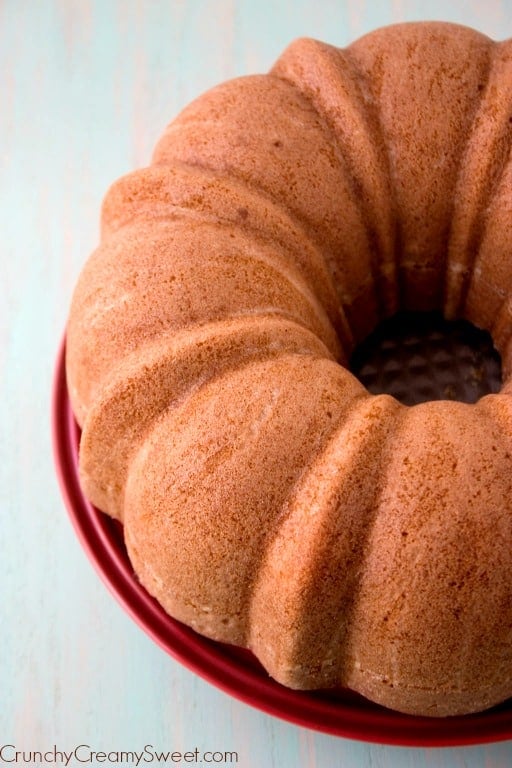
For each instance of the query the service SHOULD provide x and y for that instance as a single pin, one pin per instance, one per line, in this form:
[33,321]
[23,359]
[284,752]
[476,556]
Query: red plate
[236,671]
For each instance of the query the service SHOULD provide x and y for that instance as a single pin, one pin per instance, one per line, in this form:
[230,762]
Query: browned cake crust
[267,499]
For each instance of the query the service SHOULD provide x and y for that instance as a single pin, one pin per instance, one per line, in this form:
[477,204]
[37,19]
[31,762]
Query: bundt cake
[268,500]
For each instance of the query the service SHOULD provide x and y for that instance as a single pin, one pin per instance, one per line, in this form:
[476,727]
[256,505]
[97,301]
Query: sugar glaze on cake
[268,500]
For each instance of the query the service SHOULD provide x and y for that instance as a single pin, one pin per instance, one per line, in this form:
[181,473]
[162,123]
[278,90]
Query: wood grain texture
[86,87]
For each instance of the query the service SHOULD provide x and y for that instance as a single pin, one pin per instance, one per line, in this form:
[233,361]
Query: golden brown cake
[268,500]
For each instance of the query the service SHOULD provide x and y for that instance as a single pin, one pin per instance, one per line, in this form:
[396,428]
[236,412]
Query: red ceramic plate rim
[233,671]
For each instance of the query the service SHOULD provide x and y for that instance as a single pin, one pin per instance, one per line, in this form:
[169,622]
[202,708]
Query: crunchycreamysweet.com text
[84,754]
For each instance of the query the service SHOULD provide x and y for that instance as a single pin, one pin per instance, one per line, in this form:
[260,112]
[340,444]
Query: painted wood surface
[86,88]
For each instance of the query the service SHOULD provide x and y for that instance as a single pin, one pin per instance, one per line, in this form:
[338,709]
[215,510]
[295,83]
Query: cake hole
[419,356]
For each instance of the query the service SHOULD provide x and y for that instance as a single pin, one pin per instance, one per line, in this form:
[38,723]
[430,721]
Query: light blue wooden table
[85,89]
